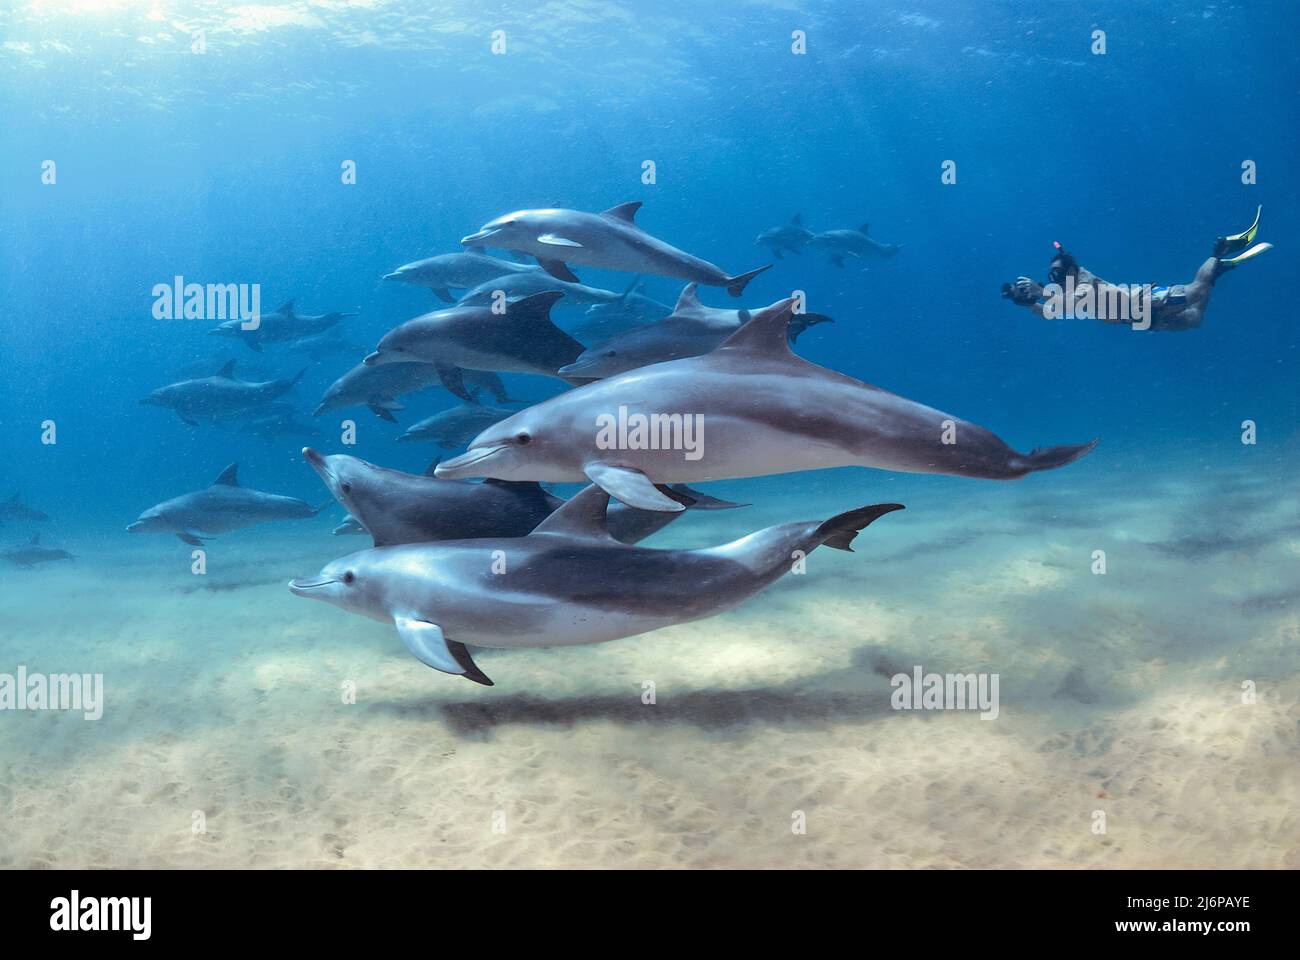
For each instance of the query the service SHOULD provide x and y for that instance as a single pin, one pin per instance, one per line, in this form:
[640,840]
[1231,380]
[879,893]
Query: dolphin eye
[349,577]
[522,438]
[346,488]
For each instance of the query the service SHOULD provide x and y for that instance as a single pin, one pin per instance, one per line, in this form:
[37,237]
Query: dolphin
[609,240]
[396,507]
[217,396]
[851,243]
[32,553]
[514,287]
[15,511]
[521,339]
[691,331]
[221,508]
[631,309]
[749,408]
[568,582]
[793,236]
[378,388]
[460,270]
[211,366]
[279,421]
[282,326]
[326,346]
[455,427]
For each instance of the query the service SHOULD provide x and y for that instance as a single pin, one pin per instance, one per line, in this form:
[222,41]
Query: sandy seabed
[1120,694]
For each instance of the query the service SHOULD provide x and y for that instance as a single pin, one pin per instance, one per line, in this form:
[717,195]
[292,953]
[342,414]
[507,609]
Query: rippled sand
[1120,693]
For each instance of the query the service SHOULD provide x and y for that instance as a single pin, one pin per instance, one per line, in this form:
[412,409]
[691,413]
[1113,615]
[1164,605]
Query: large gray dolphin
[218,396]
[460,270]
[32,553]
[521,339]
[750,408]
[221,508]
[691,331]
[516,286]
[282,326]
[792,236]
[609,240]
[456,426]
[568,582]
[396,507]
[839,244]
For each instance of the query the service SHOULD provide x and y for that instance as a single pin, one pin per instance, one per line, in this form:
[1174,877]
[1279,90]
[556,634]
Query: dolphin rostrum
[609,240]
[396,507]
[519,339]
[460,270]
[750,408]
[568,582]
[221,508]
[218,396]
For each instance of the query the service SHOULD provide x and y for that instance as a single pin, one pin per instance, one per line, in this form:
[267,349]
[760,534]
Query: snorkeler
[1074,291]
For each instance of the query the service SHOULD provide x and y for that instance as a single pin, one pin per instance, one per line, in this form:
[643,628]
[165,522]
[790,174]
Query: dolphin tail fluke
[1049,458]
[736,285]
[800,322]
[839,530]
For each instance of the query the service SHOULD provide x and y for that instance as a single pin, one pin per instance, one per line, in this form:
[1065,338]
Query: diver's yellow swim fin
[1240,241]
[1254,251]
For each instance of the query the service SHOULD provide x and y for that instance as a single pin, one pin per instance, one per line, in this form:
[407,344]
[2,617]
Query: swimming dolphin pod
[610,240]
[749,408]
[567,582]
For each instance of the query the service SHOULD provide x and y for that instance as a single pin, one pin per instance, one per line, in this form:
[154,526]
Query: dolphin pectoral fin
[558,270]
[190,538]
[443,294]
[381,412]
[555,240]
[430,646]
[631,487]
[453,378]
[837,261]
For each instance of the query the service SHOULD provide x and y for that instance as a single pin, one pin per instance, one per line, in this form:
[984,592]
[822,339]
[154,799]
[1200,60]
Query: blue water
[224,167]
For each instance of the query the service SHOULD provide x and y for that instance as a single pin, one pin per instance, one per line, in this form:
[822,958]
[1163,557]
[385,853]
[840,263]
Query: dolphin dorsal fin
[689,300]
[624,211]
[286,308]
[766,331]
[583,516]
[227,370]
[228,477]
[535,307]
[797,220]
[865,229]
[428,471]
